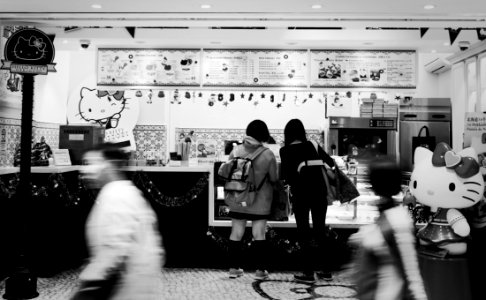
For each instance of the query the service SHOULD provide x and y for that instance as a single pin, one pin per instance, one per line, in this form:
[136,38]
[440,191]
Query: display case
[354,214]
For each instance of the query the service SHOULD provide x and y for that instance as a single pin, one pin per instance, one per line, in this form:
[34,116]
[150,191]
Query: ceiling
[350,24]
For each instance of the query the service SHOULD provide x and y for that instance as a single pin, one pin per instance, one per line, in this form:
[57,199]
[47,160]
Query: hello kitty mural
[102,107]
[117,111]
[446,182]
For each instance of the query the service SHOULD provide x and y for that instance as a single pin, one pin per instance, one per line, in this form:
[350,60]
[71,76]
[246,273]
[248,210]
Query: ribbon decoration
[464,167]
[118,95]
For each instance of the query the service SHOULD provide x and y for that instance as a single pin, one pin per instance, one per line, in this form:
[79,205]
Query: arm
[325,157]
[283,165]
[272,170]
[458,222]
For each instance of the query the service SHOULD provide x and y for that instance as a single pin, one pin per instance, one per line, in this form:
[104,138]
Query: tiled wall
[220,135]
[151,138]
[12,134]
[147,138]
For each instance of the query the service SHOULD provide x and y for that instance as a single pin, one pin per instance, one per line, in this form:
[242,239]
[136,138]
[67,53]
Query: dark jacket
[291,156]
[264,165]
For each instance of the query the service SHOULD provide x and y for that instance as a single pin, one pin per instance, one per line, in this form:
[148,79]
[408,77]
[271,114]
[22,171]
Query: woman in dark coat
[308,194]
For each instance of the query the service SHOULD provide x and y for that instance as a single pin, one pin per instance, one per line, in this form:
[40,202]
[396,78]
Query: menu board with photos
[266,68]
[148,67]
[360,68]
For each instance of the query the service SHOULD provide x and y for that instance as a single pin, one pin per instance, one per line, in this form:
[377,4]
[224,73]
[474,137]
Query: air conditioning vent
[438,65]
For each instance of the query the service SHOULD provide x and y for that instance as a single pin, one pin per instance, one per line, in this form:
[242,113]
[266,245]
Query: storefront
[152,82]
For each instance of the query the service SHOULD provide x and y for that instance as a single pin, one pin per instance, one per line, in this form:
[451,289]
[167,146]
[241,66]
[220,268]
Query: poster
[359,68]
[475,136]
[148,67]
[206,150]
[266,68]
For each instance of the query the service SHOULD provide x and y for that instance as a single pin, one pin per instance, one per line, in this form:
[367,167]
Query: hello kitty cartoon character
[101,107]
[446,181]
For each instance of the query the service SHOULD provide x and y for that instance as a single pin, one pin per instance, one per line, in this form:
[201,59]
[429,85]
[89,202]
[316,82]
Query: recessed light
[205,6]
[446,44]
[433,51]
[64,41]
[316,6]
[291,43]
[429,6]
[96,6]
[215,42]
[367,43]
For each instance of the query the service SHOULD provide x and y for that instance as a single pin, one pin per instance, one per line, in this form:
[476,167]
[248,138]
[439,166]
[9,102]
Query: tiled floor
[178,284]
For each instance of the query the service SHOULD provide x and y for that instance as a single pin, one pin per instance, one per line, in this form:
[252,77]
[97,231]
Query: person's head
[294,131]
[102,164]
[385,177]
[258,130]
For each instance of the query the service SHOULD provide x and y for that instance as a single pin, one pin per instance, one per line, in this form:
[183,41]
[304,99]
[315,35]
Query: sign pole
[22,284]
[28,52]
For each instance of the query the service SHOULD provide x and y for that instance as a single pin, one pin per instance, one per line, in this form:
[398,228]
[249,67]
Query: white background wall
[52,92]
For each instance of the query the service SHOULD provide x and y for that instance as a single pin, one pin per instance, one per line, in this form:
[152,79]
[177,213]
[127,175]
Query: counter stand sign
[28,52]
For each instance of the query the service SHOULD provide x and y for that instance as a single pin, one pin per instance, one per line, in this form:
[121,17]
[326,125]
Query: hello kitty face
[445,179]
[31,49]
[100,106]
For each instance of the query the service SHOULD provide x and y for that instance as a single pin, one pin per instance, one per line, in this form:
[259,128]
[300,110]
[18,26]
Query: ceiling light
[433,51]
[429,6]
[96,6]
[316,6]
[447,44]
[64,41]
[215,43]
[368,43]
[205,6]
[291,43]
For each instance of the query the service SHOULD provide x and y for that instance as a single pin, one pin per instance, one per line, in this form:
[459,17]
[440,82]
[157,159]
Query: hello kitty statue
[446,181]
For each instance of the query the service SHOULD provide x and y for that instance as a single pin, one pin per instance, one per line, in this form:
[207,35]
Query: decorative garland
[149,188]
[56,189]
[273,238]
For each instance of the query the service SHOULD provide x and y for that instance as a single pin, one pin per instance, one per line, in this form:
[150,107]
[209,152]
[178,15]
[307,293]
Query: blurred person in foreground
[126,253]
[386,260]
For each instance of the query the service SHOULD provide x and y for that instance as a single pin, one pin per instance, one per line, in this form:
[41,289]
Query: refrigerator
[435,113]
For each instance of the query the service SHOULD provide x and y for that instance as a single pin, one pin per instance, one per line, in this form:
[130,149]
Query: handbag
[345,188]
[329,176]
[281,209]
[425,141]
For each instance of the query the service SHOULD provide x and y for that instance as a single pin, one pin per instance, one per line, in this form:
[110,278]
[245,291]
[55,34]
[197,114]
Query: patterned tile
[178,284]
[220,135]
[150,138]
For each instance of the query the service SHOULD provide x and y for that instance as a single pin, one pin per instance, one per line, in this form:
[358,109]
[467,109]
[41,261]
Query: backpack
[240,187]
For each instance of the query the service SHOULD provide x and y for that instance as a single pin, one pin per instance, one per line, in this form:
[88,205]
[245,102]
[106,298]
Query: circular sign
[29,46]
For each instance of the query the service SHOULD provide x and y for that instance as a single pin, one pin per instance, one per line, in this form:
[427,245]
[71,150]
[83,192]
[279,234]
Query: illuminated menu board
[358,68]
[266,68]
[148,67]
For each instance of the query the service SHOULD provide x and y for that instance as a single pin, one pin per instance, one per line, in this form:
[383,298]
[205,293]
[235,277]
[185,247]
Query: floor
[215,284]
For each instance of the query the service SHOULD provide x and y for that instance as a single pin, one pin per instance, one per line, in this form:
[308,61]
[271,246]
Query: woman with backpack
[264,166]
[308,194]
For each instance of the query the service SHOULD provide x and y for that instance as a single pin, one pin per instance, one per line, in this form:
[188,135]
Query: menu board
[148,67]
[357,68]
[266,68]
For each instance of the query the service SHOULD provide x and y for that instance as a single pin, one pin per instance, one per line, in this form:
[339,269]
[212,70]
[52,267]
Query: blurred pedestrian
[126,254]
[265,167]
[308,194]
[386,259]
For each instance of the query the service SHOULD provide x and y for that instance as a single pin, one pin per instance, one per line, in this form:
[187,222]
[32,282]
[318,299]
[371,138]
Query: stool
[445,278]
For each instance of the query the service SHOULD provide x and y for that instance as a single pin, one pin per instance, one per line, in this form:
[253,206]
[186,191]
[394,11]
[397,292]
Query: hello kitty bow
[118,95]
[464,167]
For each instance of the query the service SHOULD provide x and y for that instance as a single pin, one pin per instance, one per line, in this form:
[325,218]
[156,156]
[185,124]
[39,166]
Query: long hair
[294,131]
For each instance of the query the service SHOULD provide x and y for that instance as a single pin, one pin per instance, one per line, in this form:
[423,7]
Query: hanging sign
[29,51]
